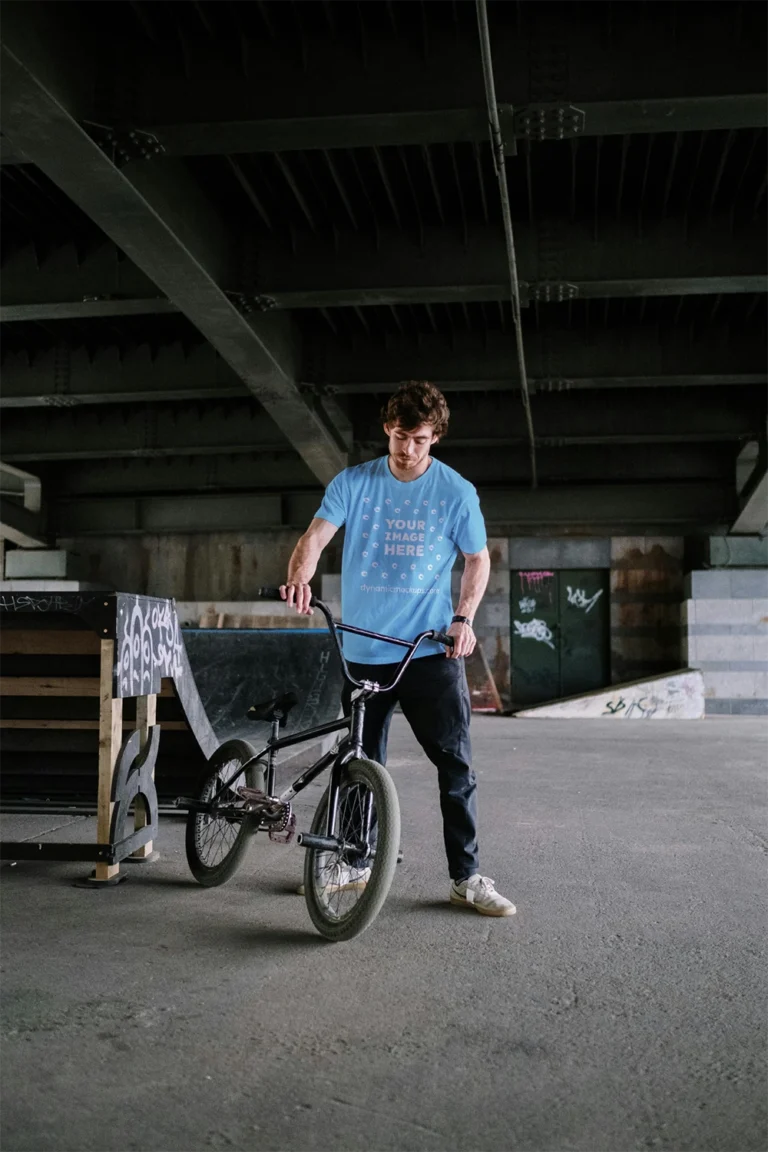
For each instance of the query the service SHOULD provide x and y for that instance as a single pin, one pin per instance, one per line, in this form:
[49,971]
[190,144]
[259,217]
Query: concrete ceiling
[229,230]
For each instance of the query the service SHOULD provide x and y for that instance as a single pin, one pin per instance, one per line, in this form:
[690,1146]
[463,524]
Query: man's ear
[435,439]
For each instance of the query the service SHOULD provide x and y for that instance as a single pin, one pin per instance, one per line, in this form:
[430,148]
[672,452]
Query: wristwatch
[461,620]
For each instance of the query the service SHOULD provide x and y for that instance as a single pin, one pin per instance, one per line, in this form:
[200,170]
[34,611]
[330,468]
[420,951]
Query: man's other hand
[464,641]
[298,596]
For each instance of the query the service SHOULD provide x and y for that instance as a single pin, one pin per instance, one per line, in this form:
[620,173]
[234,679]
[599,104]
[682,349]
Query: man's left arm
[474,581]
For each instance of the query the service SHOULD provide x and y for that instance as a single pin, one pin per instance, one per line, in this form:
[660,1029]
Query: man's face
[409,447]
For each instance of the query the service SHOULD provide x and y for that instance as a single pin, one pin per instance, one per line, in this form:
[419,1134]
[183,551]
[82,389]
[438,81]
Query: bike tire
[203,831]
[376,778]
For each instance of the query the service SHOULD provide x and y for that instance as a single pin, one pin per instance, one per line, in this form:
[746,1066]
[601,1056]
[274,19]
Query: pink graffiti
[534,581]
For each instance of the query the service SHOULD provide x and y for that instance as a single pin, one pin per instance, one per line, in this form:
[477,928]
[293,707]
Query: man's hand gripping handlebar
[298,596]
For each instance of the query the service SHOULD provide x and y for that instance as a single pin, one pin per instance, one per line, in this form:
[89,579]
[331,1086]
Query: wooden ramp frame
[141,655]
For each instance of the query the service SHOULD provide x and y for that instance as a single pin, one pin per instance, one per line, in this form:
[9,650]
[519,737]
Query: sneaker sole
[458,902]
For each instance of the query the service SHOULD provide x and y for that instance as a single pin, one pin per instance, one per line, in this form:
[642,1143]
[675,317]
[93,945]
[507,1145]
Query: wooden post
[110,739]
[146,717]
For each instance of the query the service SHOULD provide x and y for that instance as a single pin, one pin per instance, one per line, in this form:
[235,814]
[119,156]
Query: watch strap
[461,620]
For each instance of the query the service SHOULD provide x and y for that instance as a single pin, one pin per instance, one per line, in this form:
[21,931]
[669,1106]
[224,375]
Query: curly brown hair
[417,402]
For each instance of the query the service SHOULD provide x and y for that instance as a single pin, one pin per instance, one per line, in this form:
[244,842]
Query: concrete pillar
[646,592]
[724,621]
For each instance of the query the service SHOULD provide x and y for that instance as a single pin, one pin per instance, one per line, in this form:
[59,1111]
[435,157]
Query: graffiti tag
[534,581]
[645,707]
[579,598]
[527,605]
[534,630]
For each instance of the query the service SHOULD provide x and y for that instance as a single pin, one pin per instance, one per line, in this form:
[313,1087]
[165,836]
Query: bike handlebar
[273,593]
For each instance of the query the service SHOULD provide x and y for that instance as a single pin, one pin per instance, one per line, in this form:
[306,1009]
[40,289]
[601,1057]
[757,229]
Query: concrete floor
[622,1008]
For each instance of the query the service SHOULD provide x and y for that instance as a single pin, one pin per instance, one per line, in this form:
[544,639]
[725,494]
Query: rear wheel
[215,843]
[345,894]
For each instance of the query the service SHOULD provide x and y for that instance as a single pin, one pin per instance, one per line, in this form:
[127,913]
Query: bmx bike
[353,843]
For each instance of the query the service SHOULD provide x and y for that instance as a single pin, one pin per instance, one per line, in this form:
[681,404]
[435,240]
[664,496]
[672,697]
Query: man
[406,515]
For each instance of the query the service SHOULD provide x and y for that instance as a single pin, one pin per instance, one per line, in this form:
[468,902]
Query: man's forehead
[420,430]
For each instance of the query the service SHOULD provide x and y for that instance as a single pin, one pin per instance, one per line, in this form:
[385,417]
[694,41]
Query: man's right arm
[303,564]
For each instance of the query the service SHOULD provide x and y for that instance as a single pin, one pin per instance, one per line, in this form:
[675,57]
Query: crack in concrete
[387,1116]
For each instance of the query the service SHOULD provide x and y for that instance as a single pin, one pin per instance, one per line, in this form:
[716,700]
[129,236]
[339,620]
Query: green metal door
[559,634]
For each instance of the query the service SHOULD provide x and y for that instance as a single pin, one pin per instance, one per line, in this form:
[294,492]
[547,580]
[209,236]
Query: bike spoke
[332,867]
[215,834]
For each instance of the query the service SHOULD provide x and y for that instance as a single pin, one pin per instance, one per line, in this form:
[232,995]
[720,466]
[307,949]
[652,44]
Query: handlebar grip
[443,638]
[269,593]
[273,593]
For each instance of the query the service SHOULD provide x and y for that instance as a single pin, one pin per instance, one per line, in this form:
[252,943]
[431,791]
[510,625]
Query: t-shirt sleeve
[469,533]
[334,505]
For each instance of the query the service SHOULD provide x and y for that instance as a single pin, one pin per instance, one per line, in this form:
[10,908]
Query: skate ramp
[234,668]
[674,696]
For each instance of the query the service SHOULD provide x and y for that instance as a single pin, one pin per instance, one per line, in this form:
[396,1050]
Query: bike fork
[334,785]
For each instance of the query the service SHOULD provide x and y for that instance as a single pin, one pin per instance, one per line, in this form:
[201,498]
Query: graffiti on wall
[578,598]
[535,581]
[527,605]
[673,700]
[534,630]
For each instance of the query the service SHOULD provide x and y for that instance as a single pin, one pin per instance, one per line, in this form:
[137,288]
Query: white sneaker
[343,878]
[479,893]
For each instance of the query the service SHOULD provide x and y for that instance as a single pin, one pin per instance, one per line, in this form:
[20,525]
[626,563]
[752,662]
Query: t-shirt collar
[408,483]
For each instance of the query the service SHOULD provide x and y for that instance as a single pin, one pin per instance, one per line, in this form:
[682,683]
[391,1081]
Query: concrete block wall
[228,567]
[216,566]
[492,618]
[646,591]
[724,621]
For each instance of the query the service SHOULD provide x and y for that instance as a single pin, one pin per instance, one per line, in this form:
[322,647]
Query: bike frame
[351,748]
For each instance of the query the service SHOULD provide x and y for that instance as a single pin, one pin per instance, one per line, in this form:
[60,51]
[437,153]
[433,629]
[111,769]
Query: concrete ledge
[727,584]
[736,707]
[52,586]
[675,696]
[43,564]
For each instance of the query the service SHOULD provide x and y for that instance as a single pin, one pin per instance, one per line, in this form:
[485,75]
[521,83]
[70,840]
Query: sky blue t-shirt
[400,544]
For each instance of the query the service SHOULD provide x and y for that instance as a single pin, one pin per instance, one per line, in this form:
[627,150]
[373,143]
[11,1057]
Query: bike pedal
[284,835]
[246,793]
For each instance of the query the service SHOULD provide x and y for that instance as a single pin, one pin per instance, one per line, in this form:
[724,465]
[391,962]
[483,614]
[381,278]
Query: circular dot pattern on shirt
[409,533]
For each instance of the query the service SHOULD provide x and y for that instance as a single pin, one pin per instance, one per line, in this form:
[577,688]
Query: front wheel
[344,894]
[216,843]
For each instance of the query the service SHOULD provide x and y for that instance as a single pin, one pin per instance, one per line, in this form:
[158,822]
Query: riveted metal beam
[720,415]
[70,278]
[67,377]
[203,105]
[602,509]
[542,121]
[349,272]
[558,359]
[157,430]
[243,472]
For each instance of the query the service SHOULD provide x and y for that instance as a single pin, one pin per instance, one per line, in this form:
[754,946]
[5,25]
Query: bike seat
[275,708]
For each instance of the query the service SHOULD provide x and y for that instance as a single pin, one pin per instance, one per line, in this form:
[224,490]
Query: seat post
[270,783]
[356,728]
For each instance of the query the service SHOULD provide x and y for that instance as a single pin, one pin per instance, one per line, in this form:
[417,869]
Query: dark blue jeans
[434,697]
